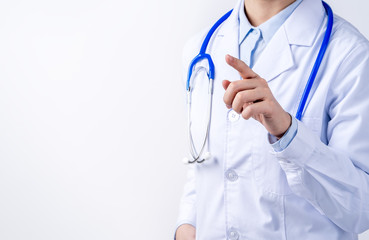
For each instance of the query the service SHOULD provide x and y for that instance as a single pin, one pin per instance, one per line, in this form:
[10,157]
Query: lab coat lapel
[276,57]
[300,29]
[303,26]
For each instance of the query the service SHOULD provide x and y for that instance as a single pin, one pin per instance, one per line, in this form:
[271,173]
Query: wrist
[287,126]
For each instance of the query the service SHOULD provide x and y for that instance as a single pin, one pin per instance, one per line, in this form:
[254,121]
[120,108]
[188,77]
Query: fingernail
[229,106]
[230,57]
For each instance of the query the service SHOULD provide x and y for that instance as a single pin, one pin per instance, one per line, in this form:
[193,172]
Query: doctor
[271,176]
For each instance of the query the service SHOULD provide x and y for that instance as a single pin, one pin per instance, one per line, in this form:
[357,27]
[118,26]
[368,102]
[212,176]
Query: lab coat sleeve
[187,209]
[334,177]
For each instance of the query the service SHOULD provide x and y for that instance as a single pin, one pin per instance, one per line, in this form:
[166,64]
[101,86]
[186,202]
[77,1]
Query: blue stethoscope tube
[203,55]
[197,157]
[318,61]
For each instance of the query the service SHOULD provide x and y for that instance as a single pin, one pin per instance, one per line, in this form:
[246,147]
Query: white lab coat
[318,187]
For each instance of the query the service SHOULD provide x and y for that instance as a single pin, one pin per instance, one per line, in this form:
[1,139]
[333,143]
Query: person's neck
[259,11]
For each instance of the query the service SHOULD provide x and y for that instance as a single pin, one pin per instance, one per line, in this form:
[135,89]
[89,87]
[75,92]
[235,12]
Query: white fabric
[318,187]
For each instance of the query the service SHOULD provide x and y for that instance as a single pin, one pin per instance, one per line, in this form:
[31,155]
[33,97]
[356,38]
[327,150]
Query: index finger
[244,70]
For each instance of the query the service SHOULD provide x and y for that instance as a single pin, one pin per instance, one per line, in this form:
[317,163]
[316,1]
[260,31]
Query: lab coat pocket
[268,174]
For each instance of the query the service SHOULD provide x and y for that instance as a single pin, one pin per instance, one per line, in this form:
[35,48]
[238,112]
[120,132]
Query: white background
[92,122]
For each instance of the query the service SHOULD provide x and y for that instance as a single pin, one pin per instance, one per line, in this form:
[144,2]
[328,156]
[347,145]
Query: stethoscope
[201,156]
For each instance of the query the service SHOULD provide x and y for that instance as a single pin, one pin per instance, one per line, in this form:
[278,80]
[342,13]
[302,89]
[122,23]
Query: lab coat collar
[301,28]
[303,25]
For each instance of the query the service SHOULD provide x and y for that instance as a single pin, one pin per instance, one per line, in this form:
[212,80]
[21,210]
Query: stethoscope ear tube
[203,55]
[196,60]
[199,157]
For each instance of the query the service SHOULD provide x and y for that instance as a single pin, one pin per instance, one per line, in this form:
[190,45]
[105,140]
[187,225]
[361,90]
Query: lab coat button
[233,234]
[231,175]
[233,116]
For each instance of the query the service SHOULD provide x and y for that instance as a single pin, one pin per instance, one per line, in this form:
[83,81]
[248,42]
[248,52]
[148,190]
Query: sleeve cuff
[283,142]
[301,148]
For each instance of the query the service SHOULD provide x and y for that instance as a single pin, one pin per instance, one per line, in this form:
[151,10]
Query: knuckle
[236,106]
[270,104]
[265,91]
[239,96]
[263,82]
[232,86]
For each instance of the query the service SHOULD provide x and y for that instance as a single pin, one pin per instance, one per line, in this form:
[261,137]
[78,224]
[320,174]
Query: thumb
[225,84]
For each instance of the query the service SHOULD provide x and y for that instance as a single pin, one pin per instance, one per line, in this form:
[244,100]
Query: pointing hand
[252,97]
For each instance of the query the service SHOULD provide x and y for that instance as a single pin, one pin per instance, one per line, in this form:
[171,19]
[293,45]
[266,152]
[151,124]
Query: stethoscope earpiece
[186,161]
